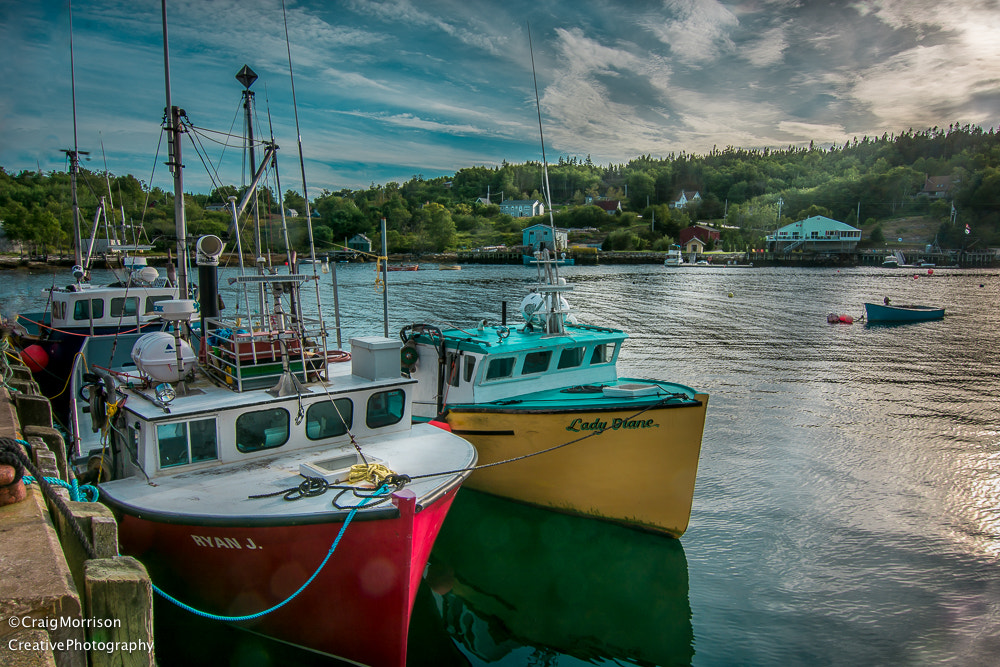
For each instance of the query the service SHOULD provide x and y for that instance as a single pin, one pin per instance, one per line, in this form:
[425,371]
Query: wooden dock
[59,604]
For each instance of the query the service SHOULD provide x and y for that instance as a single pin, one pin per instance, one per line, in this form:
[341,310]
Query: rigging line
[305,192]
[232,127]
[589,435]
[107,182]
[224,141]
[206,162]
[149,189]
[228,135]
[302,164]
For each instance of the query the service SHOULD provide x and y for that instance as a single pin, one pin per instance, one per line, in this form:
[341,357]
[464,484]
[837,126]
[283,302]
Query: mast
[74,164]
[246,77]
[554,311]
[174,130]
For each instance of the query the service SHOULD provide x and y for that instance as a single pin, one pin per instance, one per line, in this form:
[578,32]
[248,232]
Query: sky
[389,90]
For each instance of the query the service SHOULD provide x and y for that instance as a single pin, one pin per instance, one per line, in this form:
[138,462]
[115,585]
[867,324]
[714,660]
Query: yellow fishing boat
[553,423]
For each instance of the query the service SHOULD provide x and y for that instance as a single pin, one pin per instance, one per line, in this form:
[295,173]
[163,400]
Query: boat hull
[357,608]
[880,313]
[639,471]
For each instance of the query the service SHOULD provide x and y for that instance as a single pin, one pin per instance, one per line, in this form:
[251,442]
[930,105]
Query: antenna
[545,164]
[305,189]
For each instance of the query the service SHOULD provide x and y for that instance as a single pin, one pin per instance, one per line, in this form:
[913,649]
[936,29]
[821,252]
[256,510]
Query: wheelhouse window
[385,408]
[124,306]
[181,443]
[329,418]
[603,354]
[262,429]
[453,362]
[536,362]
[58,310]
[571,357]
[500,368]
[83,307]
[470,368]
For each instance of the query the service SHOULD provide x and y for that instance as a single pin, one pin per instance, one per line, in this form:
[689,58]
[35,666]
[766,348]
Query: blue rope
[78,494]
[382,490]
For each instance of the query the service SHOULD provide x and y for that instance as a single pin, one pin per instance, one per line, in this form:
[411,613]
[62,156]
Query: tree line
[747,192]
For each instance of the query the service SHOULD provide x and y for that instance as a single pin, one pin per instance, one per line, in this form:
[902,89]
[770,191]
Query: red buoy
[847,319]
[35,357]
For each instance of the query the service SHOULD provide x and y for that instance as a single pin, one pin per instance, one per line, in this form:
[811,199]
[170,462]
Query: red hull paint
[357,608]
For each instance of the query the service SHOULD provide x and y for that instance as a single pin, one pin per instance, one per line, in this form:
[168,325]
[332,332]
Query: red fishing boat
[261,479]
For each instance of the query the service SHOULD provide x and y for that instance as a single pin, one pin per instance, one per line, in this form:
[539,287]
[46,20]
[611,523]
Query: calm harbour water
[847,509]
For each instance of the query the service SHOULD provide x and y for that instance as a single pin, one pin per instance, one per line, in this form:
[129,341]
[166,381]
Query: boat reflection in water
[515,582]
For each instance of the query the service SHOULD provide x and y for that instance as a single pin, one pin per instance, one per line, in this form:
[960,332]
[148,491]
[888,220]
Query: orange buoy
[35,357]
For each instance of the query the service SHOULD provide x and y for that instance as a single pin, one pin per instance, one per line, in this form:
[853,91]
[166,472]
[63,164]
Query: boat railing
[254,358]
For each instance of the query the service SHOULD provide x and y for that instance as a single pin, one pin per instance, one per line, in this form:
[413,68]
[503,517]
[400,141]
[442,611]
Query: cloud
[697,31]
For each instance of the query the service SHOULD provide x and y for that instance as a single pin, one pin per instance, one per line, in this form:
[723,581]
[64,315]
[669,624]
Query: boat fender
[833,318]
[847,319]
[35,358]
[408,355]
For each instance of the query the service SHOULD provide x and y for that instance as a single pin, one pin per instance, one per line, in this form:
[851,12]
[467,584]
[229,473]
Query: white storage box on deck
[155,354]
[375,357]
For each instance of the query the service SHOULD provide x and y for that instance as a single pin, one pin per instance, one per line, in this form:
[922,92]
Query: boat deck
[219,494]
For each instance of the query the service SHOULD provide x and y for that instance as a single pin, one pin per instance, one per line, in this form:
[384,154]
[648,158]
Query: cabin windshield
[82,309]
[571,357]
[603,354]
[187,442]
[536,362]
[124,306]
[500,368]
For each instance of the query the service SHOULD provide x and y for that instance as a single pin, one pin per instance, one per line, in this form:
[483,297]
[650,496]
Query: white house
[540,236]
[686,197]
[522,208]
[816,234]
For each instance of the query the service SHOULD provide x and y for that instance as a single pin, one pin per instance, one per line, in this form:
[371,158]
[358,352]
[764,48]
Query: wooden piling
[118,589]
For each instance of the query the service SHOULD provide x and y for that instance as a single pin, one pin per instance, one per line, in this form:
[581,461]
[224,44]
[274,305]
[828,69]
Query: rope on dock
[14,446]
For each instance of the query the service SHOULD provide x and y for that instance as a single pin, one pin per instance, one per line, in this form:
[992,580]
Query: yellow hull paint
[641,473]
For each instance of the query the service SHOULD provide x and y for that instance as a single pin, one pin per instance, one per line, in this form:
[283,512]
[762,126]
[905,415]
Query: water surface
[847,509]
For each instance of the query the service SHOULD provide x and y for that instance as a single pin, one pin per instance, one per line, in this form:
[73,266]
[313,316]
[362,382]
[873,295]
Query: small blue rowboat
[876,312]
